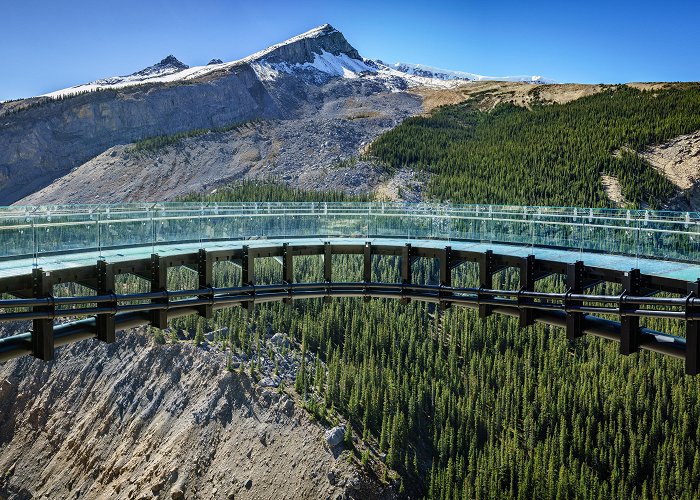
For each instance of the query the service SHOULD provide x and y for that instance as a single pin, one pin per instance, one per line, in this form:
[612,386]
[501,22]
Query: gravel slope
[140,420]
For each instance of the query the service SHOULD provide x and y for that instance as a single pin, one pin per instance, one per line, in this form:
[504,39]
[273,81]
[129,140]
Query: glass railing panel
[552,229]
[509,225]
[125,228]
[669,235]
[16,235]
[470,224]
[604,233]
[178,225]
[64,232]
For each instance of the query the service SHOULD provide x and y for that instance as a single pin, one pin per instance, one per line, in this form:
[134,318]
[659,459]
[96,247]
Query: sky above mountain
[49,45]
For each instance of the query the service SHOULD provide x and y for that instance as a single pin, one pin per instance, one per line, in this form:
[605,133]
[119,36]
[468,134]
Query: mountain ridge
[323,48]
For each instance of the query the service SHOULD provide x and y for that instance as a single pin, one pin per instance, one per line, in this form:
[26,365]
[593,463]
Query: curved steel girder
[18,345]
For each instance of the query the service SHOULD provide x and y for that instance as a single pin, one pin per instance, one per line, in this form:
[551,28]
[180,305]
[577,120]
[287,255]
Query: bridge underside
[574,310]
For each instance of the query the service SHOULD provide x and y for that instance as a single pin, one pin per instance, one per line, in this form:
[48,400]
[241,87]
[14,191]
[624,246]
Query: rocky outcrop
[137,419]
[304,48]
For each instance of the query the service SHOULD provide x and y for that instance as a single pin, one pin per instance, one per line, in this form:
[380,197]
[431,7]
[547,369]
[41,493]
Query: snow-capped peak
[431,72]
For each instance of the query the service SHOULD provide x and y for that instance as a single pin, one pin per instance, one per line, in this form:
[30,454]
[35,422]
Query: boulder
[280,340]
[335,436]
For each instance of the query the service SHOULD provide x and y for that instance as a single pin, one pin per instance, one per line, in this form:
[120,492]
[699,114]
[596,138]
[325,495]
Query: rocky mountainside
[314,100]
[140,420]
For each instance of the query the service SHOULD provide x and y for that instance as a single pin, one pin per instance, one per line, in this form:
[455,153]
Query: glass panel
[106,230]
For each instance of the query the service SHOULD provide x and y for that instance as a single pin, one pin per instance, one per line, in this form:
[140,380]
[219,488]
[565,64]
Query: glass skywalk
[661,243]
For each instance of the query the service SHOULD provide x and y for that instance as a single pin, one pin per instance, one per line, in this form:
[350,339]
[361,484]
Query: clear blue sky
[47,45]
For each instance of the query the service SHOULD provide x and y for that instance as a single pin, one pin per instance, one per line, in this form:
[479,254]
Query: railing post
[629,325]
[367,267]
[42,329]
[692,333]
[105,286]
[205,273]
[486,280]
[574,284]
[445,273]
[287,269]
[159,283]
[406,268]
[247,273]
[527,283]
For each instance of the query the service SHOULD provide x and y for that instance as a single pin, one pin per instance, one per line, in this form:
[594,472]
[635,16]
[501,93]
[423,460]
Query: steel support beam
[445,273]
[247,272]
[486,270]
[287,268]
[205,275]
[327,266]
[629,331]
[575,276]
[367,266]
[527,283]
[159,283]
[42,329]
[106,329]
[406,268]
[692,334]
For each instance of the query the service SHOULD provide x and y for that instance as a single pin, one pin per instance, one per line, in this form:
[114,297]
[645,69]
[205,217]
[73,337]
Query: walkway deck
[655,267]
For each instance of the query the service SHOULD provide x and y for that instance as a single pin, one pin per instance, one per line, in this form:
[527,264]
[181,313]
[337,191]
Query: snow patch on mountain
[340,65]
[431,73]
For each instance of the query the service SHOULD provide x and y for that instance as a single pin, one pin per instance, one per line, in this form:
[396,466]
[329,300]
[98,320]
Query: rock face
[43,139]
[46,141]
[311,150]
[136,420]
[304,48]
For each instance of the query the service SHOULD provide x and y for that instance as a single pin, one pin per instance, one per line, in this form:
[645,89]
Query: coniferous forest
[465,408]
[551,154]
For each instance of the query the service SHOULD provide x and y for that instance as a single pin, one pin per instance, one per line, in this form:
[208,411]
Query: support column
[629,332]
[527,284]
[327,266]
[367,266]
[692,334]
[287,269]
[485,279]
[574,284]
[105,286]
[445,273]
[159,283]
[247,273]
[205,273]
[406,269]
[42,329]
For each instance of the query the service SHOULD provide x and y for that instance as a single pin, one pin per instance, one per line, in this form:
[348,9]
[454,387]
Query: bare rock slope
[318,150]
[138,420]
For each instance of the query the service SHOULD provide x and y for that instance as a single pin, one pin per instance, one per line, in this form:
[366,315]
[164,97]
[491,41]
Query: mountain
[324,49]
[446,74]
[299,111]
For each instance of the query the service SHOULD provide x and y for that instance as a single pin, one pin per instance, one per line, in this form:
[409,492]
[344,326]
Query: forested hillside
[552,154]
[472,409]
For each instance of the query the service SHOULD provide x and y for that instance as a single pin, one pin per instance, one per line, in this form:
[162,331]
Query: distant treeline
[155,143]
[552,154]
[270,190]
